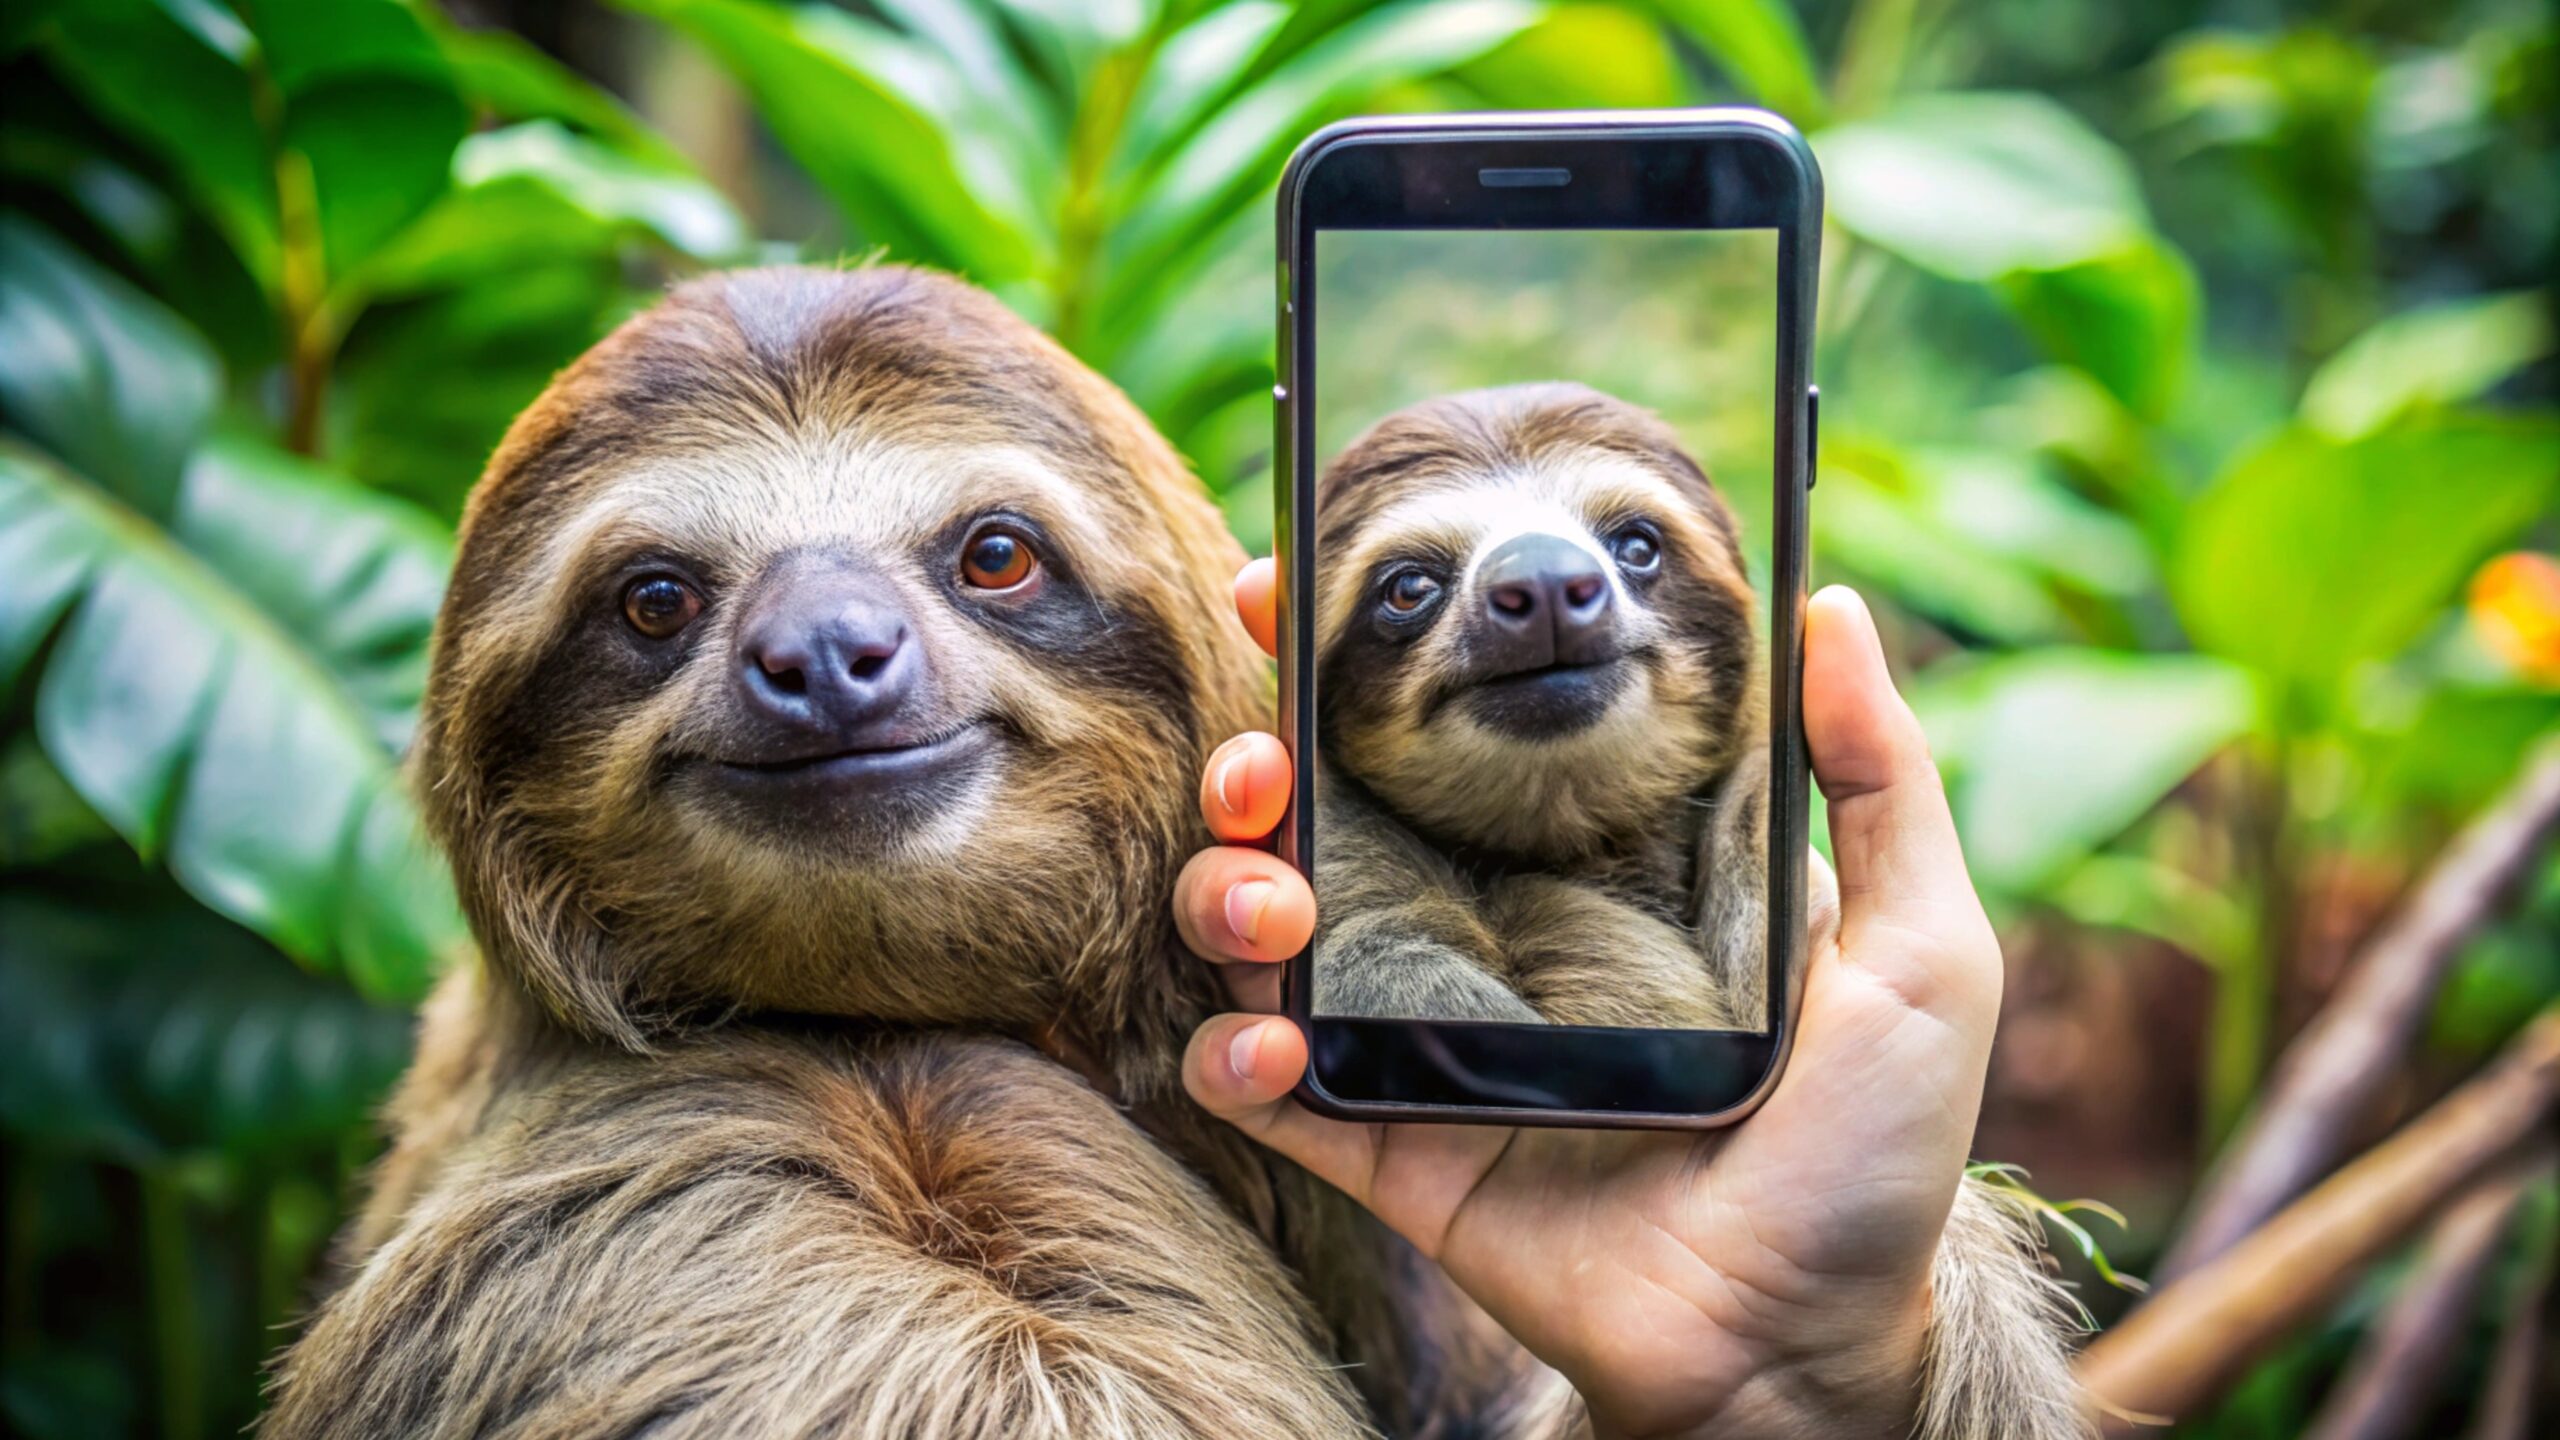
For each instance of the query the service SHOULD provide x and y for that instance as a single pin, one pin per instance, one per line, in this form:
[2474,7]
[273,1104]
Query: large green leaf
[538,192]
[2434,355]
[2310,554]
[995,91]
[1198,66]
[1758,43]
[185,93]
[352,575]
[2053,752]
[1976,186]
[2127,317]
[198,726]
[139,1026]
[426,387]
[1980,540]
[1581,57]
[96,370]
[504,75]
[841,95]
[1237,154]
[338,115]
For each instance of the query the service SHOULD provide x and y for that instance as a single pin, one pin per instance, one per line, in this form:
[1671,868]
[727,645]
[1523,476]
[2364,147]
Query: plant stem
[2245,990]
[1082,224]
[171,1263]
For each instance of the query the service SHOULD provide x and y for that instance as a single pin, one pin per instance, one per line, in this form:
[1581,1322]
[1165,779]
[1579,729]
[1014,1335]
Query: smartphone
[1544,451]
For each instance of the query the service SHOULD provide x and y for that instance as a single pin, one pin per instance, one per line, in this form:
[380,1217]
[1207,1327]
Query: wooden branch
[2331,1079]
[2177,1353]
[2399,1370]
[2506,1400]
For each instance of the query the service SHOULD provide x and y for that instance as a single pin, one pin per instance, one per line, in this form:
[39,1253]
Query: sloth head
[1534,631]
[830,642]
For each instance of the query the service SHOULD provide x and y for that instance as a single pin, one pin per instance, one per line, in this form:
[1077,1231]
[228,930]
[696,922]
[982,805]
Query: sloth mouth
[866,788]
[855,758]
[1549,702]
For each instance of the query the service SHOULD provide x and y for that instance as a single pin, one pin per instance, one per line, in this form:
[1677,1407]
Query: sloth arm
[1585,957]
[779,1236]
[1397,933]
[1729,908]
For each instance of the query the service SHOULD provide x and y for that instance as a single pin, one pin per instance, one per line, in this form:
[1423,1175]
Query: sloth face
[1533,624]
[827,641]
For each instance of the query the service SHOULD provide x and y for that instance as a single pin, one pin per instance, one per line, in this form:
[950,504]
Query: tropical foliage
[2190,416]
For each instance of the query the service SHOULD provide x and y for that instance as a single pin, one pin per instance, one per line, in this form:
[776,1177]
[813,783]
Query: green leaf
[2309,555]
[1238,153]
[97,370]
[2432,356]
[1980,540]
[537,192]
[202,731]
[426,388]
[1582,57]
[840,94]
[1976,186]
[189,102]
[2127,317]
[1759,44]
[354,576]
[998,94]
[1202,64]
[2053,752]
[138,1026]
[1071,37]
[504,75]
[335,114]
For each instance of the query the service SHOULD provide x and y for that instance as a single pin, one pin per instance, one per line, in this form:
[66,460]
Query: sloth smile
[892,776]
[866,759]
[1548,702]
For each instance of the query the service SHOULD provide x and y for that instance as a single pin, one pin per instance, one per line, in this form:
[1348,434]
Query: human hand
[1772,1278]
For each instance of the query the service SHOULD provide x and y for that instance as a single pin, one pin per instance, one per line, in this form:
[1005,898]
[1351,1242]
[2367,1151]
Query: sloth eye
[1410,590]
[996,559]
[1638,548]
[660,605]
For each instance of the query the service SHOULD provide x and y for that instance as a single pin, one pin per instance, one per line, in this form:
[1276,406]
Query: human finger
[1258,602]
[1244,789]
[1234,903]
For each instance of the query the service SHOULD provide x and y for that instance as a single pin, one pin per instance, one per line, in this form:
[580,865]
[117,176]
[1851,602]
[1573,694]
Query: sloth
[808,724]
[1544,759]
[813,724]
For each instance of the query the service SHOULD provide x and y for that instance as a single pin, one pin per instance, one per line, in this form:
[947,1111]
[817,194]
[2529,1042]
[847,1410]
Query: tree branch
[2507,1398]
[2179,1352]
[2332,1077]
[2399,1369]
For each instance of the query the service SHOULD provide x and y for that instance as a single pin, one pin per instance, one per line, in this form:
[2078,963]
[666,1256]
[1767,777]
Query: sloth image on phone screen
[1543,779]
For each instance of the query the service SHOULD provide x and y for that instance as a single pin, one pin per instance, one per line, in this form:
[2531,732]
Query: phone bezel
[1630,170]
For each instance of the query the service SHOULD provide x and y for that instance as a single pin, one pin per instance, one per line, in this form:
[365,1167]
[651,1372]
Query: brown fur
[744,1132]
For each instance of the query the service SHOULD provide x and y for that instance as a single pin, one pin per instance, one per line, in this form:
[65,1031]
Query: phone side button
[1812,435]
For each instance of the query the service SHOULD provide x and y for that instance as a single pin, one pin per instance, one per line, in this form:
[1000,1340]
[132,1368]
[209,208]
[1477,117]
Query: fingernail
[1245,903]
[1245,1049]
[1230,775]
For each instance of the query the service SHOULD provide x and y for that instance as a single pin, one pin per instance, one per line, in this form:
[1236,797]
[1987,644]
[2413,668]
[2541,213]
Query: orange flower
[2515,606]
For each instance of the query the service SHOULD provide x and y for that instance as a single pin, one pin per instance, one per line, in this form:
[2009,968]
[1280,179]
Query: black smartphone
[1544,449]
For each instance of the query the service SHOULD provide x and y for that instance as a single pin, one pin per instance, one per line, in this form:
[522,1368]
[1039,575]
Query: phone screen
[1545,464]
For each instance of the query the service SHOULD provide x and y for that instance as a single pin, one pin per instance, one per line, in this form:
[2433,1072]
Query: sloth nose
[827,650]
[1546,602]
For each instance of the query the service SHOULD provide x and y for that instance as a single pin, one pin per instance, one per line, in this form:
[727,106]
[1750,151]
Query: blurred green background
[2190,418]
